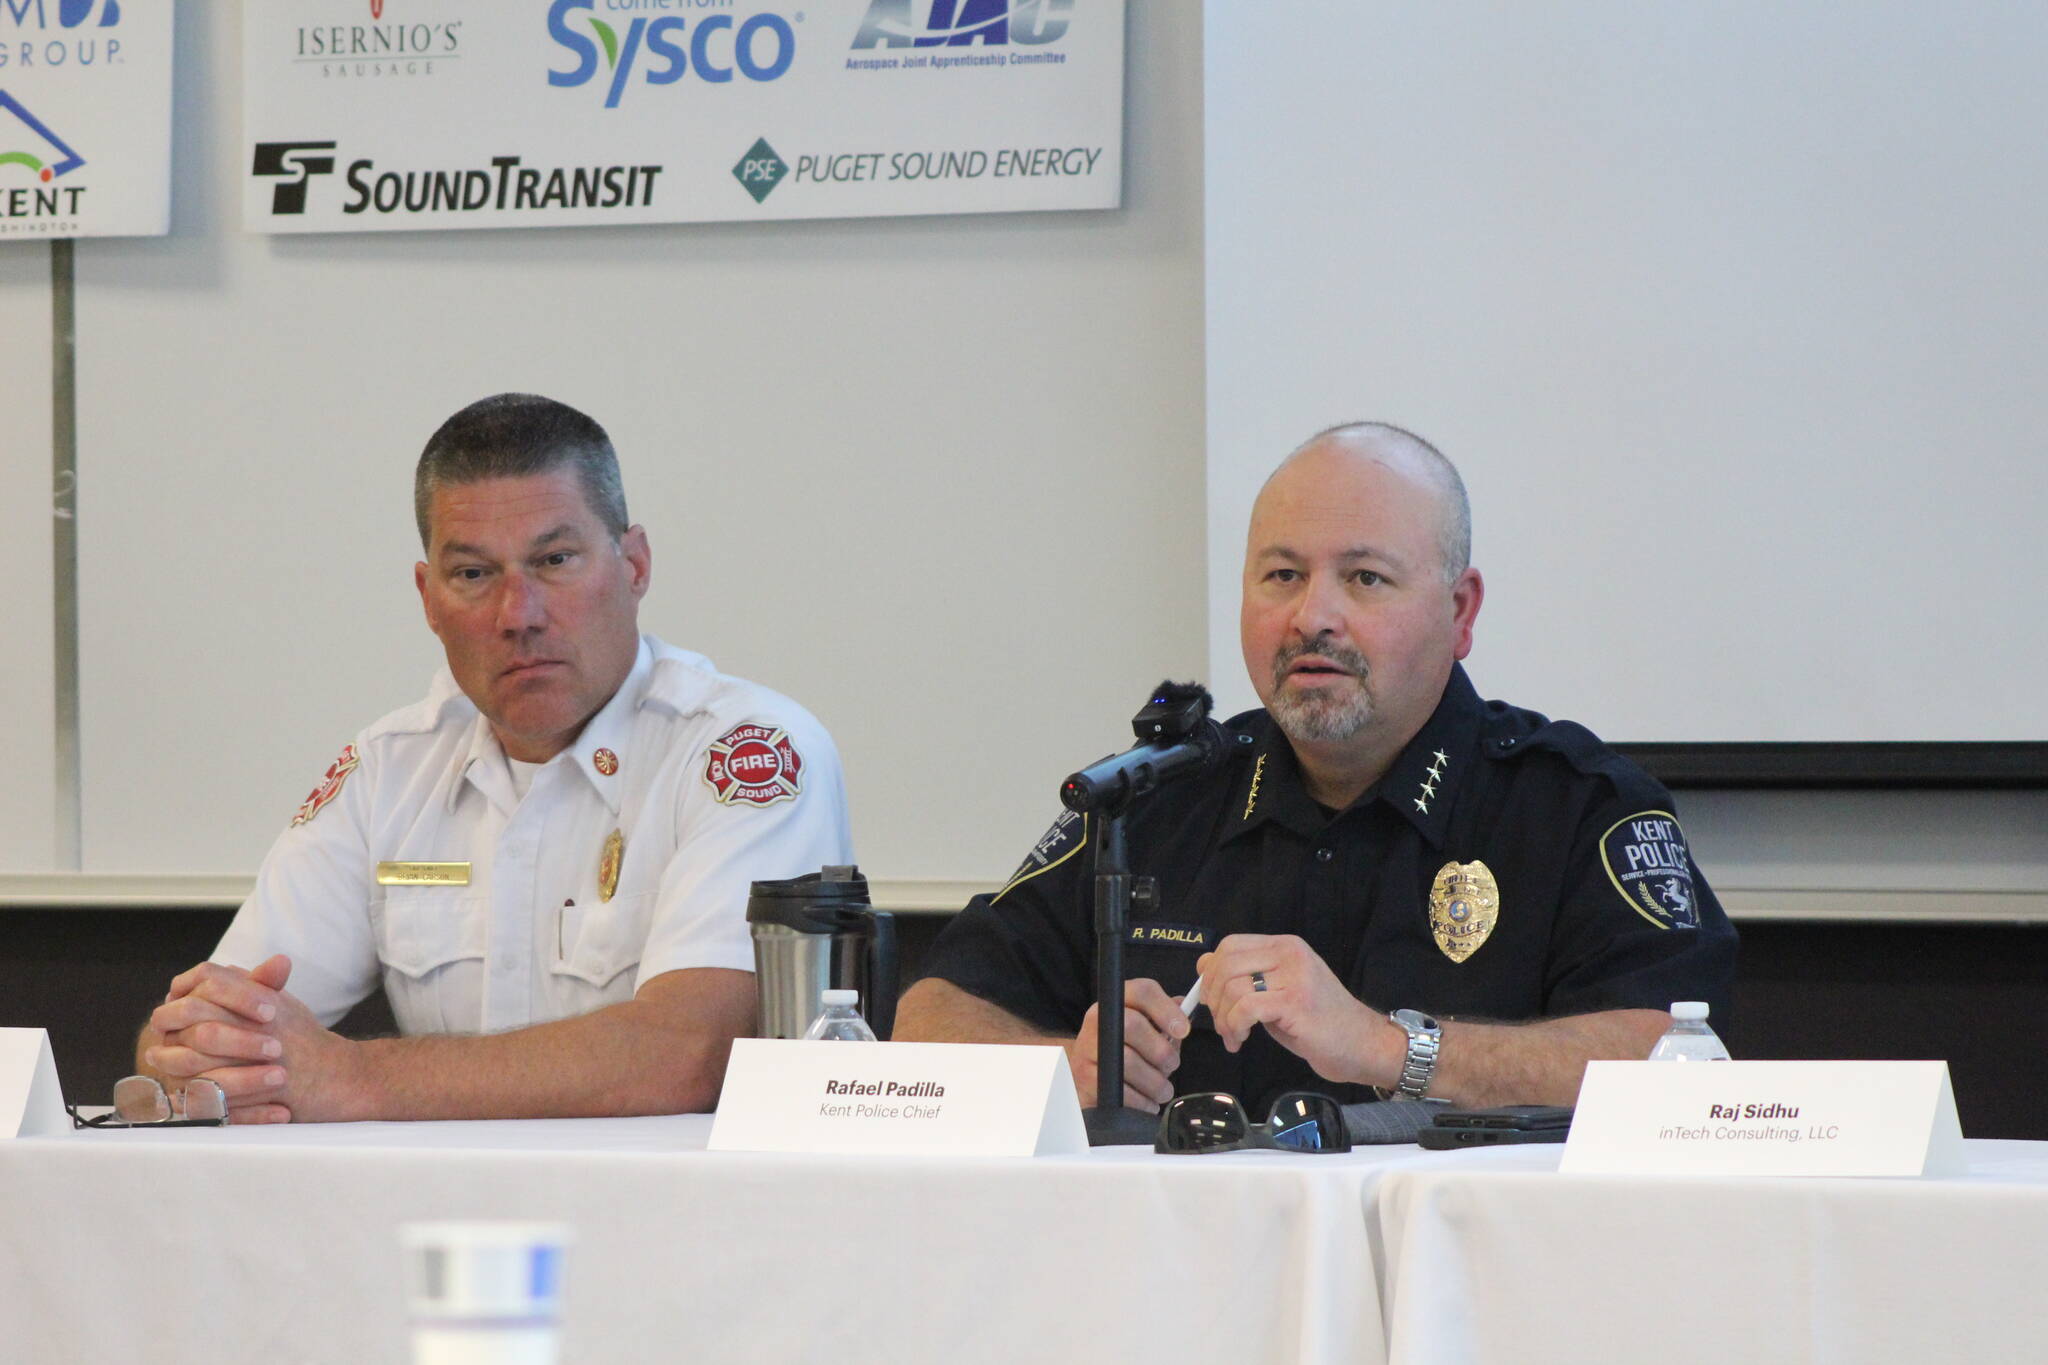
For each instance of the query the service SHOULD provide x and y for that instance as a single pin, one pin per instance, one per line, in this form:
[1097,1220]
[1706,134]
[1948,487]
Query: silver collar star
[1436,775]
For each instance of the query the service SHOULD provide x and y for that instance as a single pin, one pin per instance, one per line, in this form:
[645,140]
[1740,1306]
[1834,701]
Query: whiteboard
[1731,315]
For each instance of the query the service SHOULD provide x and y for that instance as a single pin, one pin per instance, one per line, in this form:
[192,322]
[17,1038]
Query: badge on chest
[1464,905]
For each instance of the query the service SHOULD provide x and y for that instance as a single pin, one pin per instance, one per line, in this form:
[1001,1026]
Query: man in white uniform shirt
[546,861]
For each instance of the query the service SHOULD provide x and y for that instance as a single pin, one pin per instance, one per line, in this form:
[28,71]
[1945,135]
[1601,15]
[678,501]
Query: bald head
[1358,597]
[1404,453]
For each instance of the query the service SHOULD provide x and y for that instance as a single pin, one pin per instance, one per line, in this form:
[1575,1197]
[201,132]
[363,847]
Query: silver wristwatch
[1425,1035]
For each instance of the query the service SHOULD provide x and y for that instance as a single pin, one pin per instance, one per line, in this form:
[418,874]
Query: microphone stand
[1108,1122]
[1176,714]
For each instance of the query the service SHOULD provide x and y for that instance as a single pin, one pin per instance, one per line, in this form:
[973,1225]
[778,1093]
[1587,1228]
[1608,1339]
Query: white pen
[1192,999]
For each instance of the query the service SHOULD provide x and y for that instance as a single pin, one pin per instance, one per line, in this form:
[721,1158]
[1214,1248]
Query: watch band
[1425,1038]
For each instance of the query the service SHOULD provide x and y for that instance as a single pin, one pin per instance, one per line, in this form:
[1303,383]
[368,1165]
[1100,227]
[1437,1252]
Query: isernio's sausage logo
[754,765]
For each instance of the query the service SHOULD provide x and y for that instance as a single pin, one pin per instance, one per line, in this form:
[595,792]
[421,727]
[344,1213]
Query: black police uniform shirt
[1599,904]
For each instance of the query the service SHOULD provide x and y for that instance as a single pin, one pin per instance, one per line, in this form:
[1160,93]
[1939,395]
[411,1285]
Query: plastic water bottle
[841,1021]
[1690,1040]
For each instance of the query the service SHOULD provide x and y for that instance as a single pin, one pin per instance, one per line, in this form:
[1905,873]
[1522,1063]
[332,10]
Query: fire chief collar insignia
[754,765]
[1464,905]
[329,788]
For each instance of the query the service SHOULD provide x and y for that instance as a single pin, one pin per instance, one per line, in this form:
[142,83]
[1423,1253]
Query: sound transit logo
[507,185]
[296,160]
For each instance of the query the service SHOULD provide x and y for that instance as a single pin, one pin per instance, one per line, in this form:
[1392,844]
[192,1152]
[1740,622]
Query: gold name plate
[423,874]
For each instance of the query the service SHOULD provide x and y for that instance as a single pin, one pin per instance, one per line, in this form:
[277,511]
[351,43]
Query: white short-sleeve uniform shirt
[710,782]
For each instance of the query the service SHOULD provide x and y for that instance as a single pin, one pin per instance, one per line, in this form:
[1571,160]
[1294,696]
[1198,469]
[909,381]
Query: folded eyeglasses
[141,1102]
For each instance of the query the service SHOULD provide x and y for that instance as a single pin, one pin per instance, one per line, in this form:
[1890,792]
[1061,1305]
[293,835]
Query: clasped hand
[243,1029]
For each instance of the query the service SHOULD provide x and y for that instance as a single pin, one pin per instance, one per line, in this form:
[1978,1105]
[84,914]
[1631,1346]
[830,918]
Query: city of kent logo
[760,170]
[57,159]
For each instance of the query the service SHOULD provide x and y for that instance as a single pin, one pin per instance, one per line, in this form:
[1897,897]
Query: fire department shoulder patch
[329,788]
[754,765]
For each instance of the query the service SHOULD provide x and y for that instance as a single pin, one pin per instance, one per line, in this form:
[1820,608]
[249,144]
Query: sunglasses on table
[1299,1121]
[142,1102]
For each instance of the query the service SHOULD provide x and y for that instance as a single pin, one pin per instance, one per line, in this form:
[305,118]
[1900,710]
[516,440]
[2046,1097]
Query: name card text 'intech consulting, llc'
[961,1099]
[1765,1118]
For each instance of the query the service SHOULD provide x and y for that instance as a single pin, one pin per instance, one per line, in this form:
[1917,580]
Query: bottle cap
[853,998]
[1685,1011]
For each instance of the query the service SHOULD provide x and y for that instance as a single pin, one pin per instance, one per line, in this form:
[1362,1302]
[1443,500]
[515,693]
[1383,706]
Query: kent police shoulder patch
[1647,861]
[1068,835]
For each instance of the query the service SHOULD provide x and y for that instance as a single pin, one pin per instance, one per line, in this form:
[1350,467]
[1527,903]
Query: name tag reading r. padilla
[904,1099]
[423,874]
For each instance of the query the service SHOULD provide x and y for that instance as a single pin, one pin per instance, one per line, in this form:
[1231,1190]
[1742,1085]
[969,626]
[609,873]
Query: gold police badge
[1464,905]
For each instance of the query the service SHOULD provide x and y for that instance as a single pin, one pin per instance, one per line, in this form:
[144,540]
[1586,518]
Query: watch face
[1415,1019]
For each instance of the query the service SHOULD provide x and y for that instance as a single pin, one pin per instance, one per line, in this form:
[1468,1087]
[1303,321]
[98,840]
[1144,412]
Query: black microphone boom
[1177,739]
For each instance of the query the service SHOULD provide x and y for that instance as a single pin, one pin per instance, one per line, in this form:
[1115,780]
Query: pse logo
[961,23]
[760,48]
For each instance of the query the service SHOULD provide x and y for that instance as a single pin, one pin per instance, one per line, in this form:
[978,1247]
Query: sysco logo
[666,49]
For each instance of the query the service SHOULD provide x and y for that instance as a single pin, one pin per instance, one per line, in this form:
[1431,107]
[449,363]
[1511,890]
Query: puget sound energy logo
[36,34]
[715,48]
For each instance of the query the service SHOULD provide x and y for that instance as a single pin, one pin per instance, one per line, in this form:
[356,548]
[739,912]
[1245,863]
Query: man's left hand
[1302,1004]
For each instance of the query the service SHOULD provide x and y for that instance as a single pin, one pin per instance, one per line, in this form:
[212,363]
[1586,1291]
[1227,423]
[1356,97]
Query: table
[278,1245]
[1504,1259]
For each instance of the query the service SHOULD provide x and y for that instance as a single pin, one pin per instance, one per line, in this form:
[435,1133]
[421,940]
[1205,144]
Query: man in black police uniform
[1383,862]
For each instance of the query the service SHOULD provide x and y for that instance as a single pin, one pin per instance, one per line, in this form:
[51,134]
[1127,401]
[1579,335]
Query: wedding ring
[1258,981]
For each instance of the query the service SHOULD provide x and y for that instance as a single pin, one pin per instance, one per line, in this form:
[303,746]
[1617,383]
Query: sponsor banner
[85,118]
[380,115]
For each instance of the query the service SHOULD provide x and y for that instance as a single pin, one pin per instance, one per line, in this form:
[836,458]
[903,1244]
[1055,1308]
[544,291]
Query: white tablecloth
[279,1246]
[1503,1259]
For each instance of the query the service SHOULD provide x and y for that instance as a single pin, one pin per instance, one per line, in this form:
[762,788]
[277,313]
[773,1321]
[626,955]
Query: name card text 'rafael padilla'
[900,1098]
[1765,1118]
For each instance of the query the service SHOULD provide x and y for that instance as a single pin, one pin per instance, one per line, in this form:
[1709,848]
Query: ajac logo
[960,23]
[760,48]
[16,123]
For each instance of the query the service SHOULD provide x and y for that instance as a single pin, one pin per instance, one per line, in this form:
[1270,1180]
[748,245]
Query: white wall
[27,754]
[940,479]
[1731,316]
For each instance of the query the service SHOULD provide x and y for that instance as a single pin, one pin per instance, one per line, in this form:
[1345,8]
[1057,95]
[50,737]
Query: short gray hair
[1454,535]
[513,436]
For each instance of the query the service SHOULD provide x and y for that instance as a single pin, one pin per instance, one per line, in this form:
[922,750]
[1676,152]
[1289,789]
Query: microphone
[1176,739]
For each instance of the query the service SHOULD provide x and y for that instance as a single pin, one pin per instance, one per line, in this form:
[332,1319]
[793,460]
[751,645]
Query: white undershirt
[522,775]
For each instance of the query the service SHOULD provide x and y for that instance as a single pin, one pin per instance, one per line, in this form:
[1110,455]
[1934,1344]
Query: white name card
[907,1099]
[31,1105]
[1765,1118]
